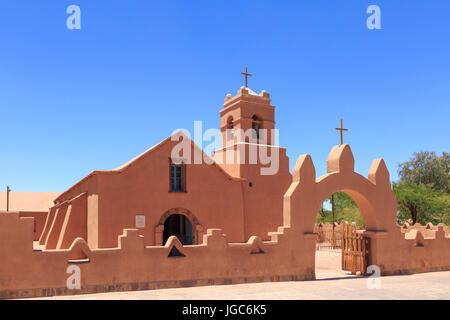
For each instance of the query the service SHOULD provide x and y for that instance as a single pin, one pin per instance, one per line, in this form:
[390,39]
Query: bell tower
[247,117]
[251,158]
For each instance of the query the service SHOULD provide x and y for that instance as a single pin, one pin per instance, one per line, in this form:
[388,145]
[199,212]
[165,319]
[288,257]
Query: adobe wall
[142,188]
[264,184]
[85,217]
[263,201]
[394,251]
[213,198]
[426,230]
[133,266]
[39,220]
[66,222]
[325,232]
[289,255]
[48,224]
[412,252]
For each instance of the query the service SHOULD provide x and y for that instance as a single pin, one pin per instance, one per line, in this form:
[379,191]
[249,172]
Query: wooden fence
[328,236]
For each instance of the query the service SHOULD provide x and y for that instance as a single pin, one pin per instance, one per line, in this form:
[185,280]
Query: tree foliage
[343,200]
[428,169]
[423,192]
[345,209]
[420,203]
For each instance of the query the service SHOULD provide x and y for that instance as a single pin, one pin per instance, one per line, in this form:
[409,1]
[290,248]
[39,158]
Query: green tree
[345,209]
[421,203]
[323,213]
[426,168]
[342,200]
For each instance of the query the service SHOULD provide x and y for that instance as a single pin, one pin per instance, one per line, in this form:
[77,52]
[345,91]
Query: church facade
[163,196]
[163,221]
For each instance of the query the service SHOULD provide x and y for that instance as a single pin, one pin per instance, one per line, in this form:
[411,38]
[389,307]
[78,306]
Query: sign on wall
[140,221]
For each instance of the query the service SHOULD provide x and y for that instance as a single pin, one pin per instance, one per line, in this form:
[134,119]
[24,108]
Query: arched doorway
[181,223]
[178,225]
[338,211]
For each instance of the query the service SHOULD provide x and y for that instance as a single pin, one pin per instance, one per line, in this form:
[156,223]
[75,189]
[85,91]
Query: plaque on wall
[140,221]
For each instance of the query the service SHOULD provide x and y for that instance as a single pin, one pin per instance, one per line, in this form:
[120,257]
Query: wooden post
[8,190]
[342,245]
[364,265]
[332,221]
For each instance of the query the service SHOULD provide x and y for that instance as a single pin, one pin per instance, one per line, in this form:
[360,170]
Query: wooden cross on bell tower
[246,75]
[341,129]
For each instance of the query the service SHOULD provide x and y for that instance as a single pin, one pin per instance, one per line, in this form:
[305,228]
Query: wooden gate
[355,250]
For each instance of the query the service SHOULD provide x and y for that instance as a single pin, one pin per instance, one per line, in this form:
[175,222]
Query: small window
[177,177]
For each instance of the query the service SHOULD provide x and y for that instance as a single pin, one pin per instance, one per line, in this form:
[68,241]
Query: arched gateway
[373,195]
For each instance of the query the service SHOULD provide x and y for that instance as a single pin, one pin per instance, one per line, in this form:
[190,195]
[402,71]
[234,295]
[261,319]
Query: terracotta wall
[263,200]
[244,205]
[27,201]
[48,224]
[412,252]
[426,230]
[132,266]
[39,221]
[66,221]
[289,255]
[211,196]
[262,193]
[392,250]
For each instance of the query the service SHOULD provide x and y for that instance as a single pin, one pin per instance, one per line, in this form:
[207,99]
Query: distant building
[30,204]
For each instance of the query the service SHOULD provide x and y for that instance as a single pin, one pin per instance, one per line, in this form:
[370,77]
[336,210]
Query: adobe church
[162,198]
[215,215]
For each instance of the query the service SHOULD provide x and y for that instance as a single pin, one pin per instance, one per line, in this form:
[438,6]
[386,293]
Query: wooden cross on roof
[341,129]
[246,75]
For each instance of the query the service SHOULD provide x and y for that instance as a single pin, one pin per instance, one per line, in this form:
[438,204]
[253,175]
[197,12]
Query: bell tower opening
[256,126]
[230,129]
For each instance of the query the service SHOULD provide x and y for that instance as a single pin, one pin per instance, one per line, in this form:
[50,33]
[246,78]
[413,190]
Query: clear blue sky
[73,101]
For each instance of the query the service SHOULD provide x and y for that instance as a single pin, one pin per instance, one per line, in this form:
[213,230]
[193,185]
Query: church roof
[178,133]
[148,151]
[28,201]
[119,168]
